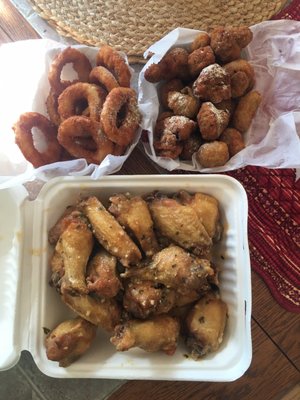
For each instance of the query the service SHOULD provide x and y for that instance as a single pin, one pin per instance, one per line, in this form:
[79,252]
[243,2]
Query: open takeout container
[28,304]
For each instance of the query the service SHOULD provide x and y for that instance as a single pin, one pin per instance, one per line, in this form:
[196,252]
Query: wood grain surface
[274,373]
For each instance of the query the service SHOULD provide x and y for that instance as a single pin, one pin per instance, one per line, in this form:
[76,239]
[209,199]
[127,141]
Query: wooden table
[275,370]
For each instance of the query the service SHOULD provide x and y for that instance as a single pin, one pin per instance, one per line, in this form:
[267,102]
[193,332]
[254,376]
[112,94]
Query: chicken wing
[146,298]
[70,214]
[175,268]
[103,312]
[70,257]
[109,232]
[69,340]
[102,278]
[205,325]
[207,209]
[134,215]
[181,224]
[159,333]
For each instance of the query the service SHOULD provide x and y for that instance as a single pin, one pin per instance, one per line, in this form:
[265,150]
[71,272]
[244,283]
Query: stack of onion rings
[90,117]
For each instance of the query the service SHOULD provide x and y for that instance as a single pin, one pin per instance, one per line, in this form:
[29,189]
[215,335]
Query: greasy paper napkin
[272,141]
[24,87]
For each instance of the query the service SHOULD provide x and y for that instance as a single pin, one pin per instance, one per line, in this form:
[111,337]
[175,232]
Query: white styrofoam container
[28,303]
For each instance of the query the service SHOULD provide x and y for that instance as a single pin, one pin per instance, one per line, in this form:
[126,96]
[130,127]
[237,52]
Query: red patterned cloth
[274,230]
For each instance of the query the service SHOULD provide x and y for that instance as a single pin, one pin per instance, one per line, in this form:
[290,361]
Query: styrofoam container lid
[28,304]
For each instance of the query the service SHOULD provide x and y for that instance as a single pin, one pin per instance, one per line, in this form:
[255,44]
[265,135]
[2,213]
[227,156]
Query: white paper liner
[24,87]
[272,140]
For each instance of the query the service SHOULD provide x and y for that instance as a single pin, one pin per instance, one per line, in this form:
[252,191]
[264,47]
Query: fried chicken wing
[70,214]
[181,224]
[69,340]
[102,278]
[159,333]
[109,232]
[146,298]
[205,325]
[207,209]
[70,257]
[102,312]
[175,268]
[134,215]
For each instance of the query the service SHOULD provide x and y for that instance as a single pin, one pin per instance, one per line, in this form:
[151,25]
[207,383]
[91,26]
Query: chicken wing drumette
[134,215]
[175,268]
[70,257]
[69,340]
[159,333]
[102,277]
[205,324]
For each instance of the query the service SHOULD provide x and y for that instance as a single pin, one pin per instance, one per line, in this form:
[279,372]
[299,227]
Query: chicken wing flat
[69,340]
[207,209]
[103,312]
[146,298]
[70,257]
[159,333]
[109,232]
[134,215]
[205,325]
[175,268]
[181,224]
[102,278]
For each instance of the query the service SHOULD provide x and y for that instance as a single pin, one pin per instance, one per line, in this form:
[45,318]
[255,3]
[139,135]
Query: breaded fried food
[159,333]
[103,312]
[205,324]
[228,42]
[101,275]
[201,40]
[234,140]
[246,110]
[109,232]
[213,84]
[241,75]
[180,223]
[69,340]
[173,85]
[182,127]
[213,154]
[191,146]
[199,59]
[183,103]
[211,121]
[172,65]
[207,208]
[133,213]
[167,145]
[72,252]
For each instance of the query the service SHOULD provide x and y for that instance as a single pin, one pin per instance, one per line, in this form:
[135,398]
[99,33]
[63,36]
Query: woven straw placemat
[133,25]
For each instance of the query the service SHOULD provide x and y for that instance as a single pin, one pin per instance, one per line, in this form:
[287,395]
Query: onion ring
[76,132]
[120,132]
[72,95]
[113,61]
[101,75]
[52,107]
[80,64]
[23,137]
